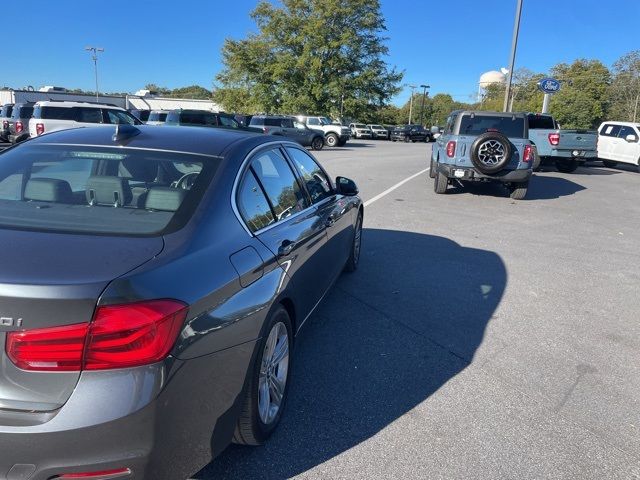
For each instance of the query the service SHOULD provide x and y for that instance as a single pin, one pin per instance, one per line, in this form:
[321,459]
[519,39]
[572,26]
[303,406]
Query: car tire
[432,169]
[317,143]
[407,139]
[566,166]
[356,247]
[331,140]
[609,163]
[488,142]
[258,420]
[518,190]
[440,183]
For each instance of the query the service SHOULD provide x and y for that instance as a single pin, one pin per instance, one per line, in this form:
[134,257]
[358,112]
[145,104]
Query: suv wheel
[566,166]
[268,385]
[432,169]
[490,152]
[440,183]
[317,143]
[331,139]
[518,190]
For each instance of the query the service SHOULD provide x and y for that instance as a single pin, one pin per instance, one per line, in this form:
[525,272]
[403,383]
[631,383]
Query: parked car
[360,130]
[567,149]
[378,131]
[201,118]
[289,127]
[5,115]
[50,116]
[619,142]
[19,122]
[410,133]
[157,117]
[483,146]
[140,114]
[139,336]
[334,134]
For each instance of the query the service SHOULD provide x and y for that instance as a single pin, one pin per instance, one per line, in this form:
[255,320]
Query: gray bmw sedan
[152,283]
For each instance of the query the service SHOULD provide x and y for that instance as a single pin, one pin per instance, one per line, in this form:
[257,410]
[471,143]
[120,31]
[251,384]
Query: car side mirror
[631,138]
[346,186]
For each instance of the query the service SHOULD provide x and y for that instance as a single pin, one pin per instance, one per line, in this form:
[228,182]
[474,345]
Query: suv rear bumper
[505,176]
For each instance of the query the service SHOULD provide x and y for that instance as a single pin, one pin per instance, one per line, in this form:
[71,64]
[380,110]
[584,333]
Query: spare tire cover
[491,152]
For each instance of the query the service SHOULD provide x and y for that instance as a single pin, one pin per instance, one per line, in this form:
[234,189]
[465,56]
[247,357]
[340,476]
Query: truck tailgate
[578,140]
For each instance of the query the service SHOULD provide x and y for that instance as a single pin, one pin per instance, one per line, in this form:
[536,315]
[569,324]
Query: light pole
[412,87]
[341,105]
[512,61]
[424,94]
[94,57]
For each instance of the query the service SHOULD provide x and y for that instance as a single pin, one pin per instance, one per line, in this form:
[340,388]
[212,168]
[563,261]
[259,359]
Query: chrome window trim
[218,157]
[236,184]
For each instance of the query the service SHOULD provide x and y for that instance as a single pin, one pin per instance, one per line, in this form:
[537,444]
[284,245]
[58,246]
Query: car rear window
[157,117]
[22,112]
[541,122]
[100,191]
[54,113]
[509,126]
[6,111]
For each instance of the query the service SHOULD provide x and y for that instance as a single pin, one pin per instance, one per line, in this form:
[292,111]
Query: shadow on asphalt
[541,187]
[385,339]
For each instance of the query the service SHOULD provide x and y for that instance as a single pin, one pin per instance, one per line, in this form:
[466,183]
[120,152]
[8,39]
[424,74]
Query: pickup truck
[483,147]
[566,148]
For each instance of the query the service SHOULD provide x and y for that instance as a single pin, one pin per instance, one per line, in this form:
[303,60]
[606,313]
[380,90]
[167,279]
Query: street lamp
[512,61]
[94,57]
[412,87]
[424,94]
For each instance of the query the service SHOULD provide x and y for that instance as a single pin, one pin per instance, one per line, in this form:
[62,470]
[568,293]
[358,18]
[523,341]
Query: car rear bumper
[163,421]
[468,173]
[577,154]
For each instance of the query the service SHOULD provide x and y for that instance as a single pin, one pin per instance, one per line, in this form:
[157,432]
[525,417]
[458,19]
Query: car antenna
[125,132]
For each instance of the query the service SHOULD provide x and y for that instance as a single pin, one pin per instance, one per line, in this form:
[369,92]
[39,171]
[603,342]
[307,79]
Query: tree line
[329,57]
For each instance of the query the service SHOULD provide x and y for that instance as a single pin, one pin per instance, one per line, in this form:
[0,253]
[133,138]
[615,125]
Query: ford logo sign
[549,85]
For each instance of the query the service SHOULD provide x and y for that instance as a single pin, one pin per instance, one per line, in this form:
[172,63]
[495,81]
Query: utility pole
[412,87]
[424,94]
[94,57]
[512,61]
[341,105]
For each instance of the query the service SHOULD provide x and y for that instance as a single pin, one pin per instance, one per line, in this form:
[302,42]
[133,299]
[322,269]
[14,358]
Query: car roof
[198,140]
[623,124]
[66,104]
[491,114]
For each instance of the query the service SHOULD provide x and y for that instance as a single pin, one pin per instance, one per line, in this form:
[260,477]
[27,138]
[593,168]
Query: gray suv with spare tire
[483,147]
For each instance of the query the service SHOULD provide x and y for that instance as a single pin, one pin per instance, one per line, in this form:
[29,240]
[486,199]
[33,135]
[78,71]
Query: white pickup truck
[334,135]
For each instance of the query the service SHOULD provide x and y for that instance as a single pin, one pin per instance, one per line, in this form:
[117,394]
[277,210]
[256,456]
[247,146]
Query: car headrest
[166,199]
[48,190]
[104,190]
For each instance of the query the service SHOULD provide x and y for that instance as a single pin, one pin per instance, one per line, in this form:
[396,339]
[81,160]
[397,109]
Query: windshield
[377,127]
[102,191]
[360,125]
[325,121]
[509,126]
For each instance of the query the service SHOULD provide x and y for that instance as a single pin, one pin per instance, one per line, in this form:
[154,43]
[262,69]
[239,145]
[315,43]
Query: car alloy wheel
[274,369]
[331,140]
[491,153]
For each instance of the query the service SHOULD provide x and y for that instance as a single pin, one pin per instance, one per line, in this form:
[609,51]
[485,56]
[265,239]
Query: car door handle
[286,248]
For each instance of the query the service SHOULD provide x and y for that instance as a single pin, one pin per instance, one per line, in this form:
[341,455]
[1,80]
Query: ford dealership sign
[549,85]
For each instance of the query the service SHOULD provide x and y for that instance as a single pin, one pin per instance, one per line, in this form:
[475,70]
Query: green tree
[192,91]
[582,100]
[152,87]
[625,88]
[305,56]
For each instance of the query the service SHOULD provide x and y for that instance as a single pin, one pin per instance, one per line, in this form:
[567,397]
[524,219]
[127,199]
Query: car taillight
[554,138]
[451,149]
[19,127]
[120,336]
[526,157]
[102,475]
[39,128]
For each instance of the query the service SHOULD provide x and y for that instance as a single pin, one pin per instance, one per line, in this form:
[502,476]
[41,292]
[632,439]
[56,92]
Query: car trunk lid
[53,280]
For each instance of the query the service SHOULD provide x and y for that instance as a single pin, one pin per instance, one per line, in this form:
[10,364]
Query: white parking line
[397,185]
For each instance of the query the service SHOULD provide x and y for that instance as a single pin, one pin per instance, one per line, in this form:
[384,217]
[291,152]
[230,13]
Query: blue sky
[446,43]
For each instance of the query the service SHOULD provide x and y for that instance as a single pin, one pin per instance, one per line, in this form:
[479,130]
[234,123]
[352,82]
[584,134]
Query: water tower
[491,77]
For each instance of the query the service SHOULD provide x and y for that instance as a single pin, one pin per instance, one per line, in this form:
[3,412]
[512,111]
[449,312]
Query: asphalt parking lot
[481,337]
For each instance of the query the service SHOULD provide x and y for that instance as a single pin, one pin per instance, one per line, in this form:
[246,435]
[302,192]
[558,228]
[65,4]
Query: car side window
[313,121]
[279,183]
[228,122]
[89,115]
[287,123]
[624,131]
[252,204]
[611,130]
[118,117]
[316,181]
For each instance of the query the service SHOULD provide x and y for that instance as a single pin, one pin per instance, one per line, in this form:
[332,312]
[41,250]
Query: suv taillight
[526,157]
[554,138]
[19,127]
[120,336]
[39,128]
[451,149]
